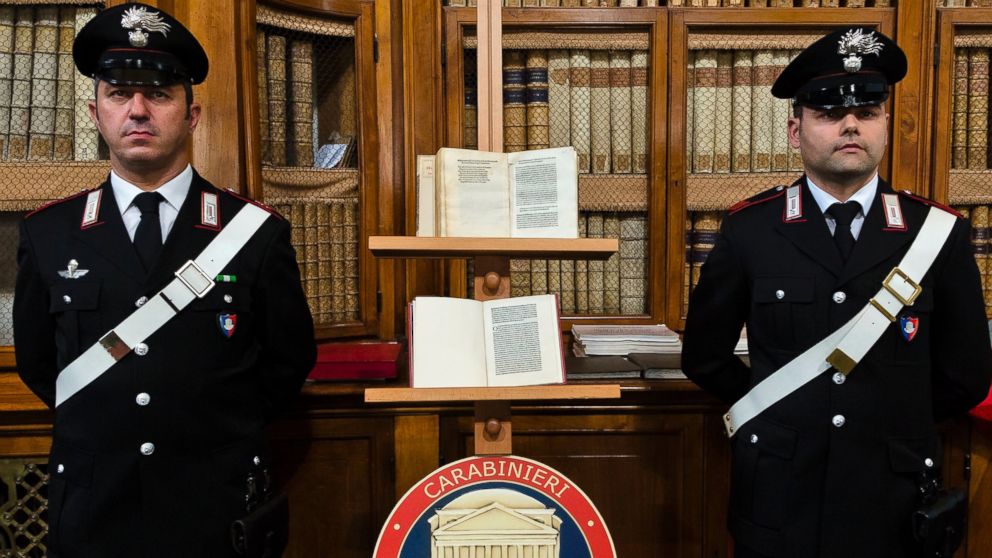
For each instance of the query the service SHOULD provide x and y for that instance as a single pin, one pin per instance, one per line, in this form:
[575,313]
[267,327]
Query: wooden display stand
[493,430]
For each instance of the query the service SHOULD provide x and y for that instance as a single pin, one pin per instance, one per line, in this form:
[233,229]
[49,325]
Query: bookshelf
[314,138]
[727,134]
[962,166]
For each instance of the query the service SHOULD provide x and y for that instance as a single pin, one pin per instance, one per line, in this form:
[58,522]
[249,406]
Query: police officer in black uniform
[150,457]
[832,469]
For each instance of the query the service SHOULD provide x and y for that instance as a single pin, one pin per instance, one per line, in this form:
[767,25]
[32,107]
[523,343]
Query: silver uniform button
[228,298]
[147,448]
[143,399]
[60,468]
[67,299]
[839,378]
[780,294]
[839,420]
[840,297]
[928,462]
[754,438]
[141,349]
[256,460]
[140,302]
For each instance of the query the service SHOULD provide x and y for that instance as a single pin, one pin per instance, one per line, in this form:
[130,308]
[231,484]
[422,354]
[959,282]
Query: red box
[357,361]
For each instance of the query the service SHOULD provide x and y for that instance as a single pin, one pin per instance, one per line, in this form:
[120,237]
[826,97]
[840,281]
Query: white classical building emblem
[495,523]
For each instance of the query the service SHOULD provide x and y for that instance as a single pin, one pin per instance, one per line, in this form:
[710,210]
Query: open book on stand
[526,194]
[458,342]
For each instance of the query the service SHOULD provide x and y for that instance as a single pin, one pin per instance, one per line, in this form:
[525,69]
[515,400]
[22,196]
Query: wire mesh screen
[49,146]
[589,91]
[43,100]
[736,140]
[23,508]
[309,135]
[971,159]
[965,3]
[8,274]
[980,217]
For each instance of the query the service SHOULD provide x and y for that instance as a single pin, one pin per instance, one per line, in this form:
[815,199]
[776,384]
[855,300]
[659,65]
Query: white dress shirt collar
[864,196]
[174,191]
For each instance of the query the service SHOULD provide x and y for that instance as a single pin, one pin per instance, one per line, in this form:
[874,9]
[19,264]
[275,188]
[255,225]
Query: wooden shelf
[523,393]
[523,248]
[33,183]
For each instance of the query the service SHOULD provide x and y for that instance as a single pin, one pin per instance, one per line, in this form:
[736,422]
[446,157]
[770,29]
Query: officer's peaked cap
[137,44]
[847,68]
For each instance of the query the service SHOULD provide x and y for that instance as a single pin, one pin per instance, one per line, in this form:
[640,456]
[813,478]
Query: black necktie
[844,214]
[148,236]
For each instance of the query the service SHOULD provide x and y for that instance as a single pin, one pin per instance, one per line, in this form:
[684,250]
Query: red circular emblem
[499,506]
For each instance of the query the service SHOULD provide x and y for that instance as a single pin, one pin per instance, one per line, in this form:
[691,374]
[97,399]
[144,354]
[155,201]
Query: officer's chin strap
[844,348]
[193,280]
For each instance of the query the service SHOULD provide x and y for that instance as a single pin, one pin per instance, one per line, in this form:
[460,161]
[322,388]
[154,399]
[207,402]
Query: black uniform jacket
[802,487]
[206,396]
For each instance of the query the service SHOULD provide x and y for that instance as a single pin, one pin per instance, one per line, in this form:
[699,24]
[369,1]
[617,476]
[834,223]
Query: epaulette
[53,203]
[767,195]
[927,201]
[256,203]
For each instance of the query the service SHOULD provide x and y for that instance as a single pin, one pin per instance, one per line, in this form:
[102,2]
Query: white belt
[193,280]
[843,349]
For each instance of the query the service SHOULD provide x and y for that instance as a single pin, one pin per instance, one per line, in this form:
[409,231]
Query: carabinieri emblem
[137,20]
[854,43]
[908,326]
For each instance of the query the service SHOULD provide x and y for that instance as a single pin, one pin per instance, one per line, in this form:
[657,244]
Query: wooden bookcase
[707,48]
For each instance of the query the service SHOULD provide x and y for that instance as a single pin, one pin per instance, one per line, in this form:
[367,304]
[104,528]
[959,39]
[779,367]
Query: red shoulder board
[256,203]
[755,200]
[927,201]
[52,203]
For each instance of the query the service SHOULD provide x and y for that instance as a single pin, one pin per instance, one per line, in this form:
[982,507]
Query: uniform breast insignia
[227,323]
[908,326]
[72,271]
[893,213]
[209,212]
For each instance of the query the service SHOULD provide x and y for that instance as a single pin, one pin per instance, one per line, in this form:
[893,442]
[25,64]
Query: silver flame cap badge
[139,21]
[855,43]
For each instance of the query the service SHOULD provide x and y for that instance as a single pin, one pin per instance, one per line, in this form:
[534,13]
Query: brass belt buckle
[906,301]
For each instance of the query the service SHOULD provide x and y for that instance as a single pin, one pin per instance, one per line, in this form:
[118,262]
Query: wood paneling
[338,473]
[644,472]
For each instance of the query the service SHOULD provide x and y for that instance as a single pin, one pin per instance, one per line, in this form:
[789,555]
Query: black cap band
[140,67]
[846,96]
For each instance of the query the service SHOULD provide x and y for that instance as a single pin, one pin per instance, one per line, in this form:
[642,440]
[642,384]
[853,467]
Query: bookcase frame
[949,22]
[685,22]
[362,13]
[655,22]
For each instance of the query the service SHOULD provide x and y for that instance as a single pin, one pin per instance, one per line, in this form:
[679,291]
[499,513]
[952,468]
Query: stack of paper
[624,339]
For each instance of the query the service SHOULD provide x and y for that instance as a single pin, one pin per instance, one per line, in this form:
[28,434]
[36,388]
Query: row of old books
[43,99]
[966,3]
[593,100]
[325,237]
[690,3]
[733,124]
[617,286]
[970,123]
[981,243]
[285,99]
[701,230]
